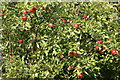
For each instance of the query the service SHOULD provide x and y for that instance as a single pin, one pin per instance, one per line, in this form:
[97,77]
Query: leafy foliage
[33,49]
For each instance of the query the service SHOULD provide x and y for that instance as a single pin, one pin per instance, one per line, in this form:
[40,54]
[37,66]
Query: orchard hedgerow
[53,40]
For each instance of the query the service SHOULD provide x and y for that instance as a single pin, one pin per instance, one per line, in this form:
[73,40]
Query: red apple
[61,56]
[25,12]
[114,52]
[99,42]
[53,73]
[84,16]
[78,67]
[71,54]
[3,11]
[97,47]
[43,8]
[20,41]
[103,47]
[2,14]
[69,20]
[23,29]
[76,25]
[34,36]
[79,75]
[31,27]
[118,8]
[74,13]
[10,60]
[75,53]
[64,21]
[70,67]
[32,10]
[48,10]
[101,51]
[50,24]
[24,18]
